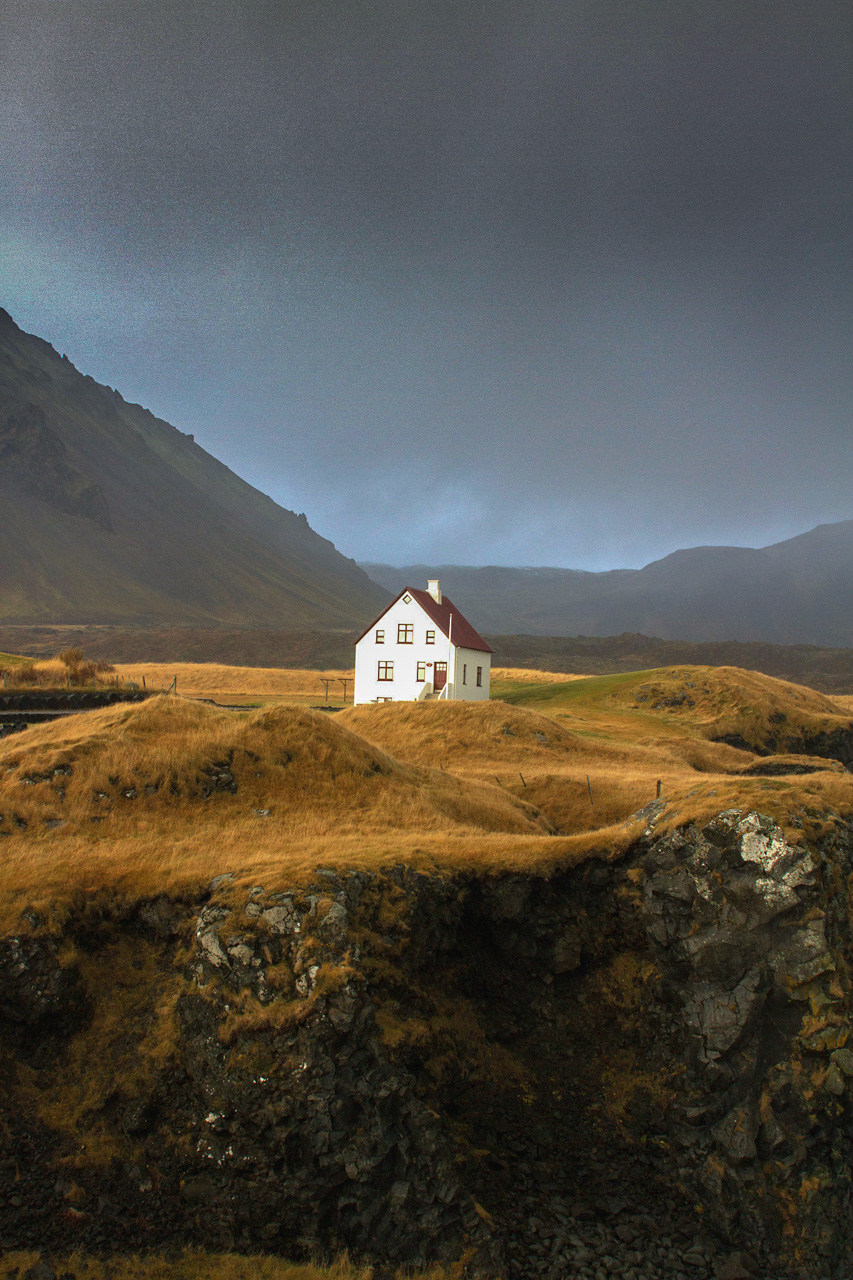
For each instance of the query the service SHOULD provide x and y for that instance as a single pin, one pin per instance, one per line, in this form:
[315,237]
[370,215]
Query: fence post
[589,789]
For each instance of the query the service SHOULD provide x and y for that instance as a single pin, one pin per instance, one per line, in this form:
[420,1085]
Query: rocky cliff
[630,1068]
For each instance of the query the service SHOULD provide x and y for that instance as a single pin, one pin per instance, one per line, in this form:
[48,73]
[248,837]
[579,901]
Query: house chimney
[434,588]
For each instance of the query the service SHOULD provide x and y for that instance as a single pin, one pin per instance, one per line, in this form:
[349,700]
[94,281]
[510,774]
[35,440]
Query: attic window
[380,637]
[405,633]
[430,637]
[407,599]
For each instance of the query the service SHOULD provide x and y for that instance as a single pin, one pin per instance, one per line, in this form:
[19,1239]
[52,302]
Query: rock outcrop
[397,1063]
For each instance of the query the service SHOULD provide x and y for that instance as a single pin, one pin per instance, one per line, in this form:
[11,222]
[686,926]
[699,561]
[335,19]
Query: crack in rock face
[750,930]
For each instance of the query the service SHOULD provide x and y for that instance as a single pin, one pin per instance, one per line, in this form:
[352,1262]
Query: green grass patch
[13,660]
[574,693]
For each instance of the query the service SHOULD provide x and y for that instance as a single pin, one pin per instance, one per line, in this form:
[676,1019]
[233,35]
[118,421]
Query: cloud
[552,282]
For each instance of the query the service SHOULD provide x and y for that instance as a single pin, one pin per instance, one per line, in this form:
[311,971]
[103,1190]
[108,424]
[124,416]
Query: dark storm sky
[559,282]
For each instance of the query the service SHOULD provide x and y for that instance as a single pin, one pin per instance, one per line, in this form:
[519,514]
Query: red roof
[462,635]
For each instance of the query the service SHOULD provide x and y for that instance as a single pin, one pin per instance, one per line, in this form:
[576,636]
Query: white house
[421,647]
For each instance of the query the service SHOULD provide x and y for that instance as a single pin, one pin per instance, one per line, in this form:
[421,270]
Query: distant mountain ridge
[799,591]
[110,515]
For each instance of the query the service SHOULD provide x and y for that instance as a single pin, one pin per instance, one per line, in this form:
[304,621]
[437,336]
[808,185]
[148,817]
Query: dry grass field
[163,795]
[590,752]
[226,684]
[233,684]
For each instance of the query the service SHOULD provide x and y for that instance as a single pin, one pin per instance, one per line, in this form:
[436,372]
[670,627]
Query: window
[383,699]
[385,671]
[405,633]
[430,637]
[407,599]
[421,671]
[380,637]
[464,672]
[479,677]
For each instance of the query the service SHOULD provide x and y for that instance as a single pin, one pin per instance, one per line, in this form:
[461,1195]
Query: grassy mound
[12,660]
[591,753]
[171,792]
[470,735]
[716,703]
[164,795]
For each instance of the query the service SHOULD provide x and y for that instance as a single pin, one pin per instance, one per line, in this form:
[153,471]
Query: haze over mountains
[799,591]
[110,515]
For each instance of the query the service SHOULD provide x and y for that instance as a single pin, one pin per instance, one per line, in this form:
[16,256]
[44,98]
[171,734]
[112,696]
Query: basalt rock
[393,1063]
[36,990]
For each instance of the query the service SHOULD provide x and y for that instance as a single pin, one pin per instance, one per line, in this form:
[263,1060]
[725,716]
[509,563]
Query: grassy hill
[166,794]
[108,514]
[213,921]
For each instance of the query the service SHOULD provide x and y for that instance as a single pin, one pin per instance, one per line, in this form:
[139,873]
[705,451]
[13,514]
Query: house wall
[405,686]
[466,663]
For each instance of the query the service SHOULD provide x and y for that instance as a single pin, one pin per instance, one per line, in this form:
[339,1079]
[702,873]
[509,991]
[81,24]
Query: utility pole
[325,683]
[345,680]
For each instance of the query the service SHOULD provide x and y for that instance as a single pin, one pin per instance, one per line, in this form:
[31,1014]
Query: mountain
[109,514]
[799,591]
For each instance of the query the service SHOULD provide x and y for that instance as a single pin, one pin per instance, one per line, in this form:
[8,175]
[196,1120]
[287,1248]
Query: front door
[439,676]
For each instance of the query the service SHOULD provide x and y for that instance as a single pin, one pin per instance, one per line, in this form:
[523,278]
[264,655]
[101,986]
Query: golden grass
[236,684]
[12,660]
[128,784]
[512,675]
[593,765]
[195,1265]
[118,1055]
[707,702]
[51,673]
[122,802]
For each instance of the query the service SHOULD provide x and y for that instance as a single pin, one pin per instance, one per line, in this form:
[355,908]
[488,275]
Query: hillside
[830,670]
[108,514]
[795,592]
[434,984]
